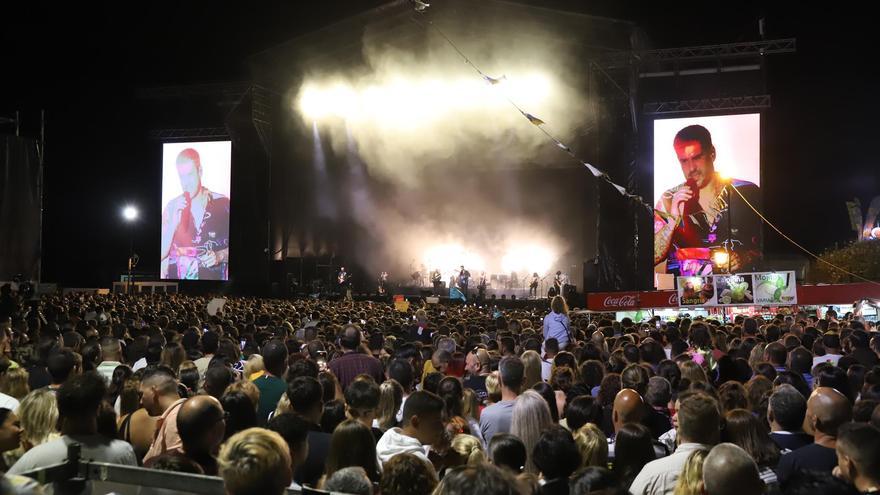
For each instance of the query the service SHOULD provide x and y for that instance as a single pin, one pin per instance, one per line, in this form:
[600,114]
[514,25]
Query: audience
[699,427]
[201,424]
[531,417]
[160,397]
[351,480]
[422,425]
[508,452]
[785,414]
[407,474]
[593,406]
[827,411]
[352,444]
[556,456]
[497,417]
[79,399]
[730,470]
[255,462]
[295,431]
[858,456]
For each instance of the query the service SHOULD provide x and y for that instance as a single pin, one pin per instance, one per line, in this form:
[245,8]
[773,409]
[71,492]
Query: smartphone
[243,342]
[363,322]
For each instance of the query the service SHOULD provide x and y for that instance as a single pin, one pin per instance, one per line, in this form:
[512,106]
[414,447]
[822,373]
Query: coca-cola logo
[673,299]
[627,301]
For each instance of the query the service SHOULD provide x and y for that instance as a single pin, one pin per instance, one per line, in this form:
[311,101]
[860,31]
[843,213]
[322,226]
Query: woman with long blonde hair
[693,372]
[390,400]
[469,448]
[531,369]
[593,445]
[493,388]
[690,481]
[531,416]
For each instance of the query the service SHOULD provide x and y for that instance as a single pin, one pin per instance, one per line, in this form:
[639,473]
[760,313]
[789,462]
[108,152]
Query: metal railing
[75,474]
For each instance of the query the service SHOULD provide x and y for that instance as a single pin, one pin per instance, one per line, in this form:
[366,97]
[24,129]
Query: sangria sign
[742,289]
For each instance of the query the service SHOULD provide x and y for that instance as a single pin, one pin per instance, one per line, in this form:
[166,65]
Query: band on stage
[459,283]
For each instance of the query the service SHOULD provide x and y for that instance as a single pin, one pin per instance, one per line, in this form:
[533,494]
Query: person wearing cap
[831,342]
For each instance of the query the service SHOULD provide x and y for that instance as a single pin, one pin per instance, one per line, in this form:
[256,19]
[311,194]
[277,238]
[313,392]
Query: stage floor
[408,290]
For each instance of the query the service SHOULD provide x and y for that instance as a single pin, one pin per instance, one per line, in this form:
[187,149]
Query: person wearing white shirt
[699,427]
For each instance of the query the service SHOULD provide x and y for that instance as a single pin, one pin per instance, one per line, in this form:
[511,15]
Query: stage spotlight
[129,213]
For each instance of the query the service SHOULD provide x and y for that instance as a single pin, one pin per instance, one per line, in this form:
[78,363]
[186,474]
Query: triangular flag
[494,80]
[564,147]
[593,170]
[534,120]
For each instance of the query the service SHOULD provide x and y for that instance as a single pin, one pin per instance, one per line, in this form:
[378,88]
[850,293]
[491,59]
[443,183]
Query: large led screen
[195,210]
[707,173]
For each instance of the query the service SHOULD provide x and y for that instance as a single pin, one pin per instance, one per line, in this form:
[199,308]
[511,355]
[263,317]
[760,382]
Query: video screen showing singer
[195,227]
[691,218]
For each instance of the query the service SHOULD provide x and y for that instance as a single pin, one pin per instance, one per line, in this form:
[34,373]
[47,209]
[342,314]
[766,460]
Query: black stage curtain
[19,208]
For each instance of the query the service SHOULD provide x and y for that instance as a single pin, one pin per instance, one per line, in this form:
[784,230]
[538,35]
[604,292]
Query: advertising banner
[742,289]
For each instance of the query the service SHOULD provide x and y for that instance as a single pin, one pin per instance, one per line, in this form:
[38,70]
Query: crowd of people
[361,398]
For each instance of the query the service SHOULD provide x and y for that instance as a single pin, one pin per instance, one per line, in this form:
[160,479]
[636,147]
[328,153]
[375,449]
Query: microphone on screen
[692,204]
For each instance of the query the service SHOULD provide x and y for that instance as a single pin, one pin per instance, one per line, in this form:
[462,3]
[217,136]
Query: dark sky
[83,63]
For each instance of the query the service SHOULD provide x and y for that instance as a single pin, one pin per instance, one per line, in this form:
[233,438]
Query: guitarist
[436,281]
[344,281]
[464,277]
[533,286]
[558,282]
[383,280]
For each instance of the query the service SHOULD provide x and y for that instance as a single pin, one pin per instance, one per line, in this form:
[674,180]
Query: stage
[521,294]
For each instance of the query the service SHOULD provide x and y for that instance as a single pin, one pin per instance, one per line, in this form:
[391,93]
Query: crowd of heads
[362,398]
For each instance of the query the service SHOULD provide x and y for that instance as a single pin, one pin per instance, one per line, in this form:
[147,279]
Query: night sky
[83,64]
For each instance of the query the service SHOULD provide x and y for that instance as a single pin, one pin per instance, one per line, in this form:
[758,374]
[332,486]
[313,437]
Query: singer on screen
[691,219]
[195,227]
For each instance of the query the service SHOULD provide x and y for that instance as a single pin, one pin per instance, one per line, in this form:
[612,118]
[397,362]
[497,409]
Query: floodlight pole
[130,257]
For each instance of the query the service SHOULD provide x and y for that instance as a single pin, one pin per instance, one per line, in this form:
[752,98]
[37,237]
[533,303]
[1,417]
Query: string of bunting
[420,7]
[789,239]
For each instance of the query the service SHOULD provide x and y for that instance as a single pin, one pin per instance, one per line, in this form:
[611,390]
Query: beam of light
[359,188]
[324,195]
[400,102]
[129,213]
